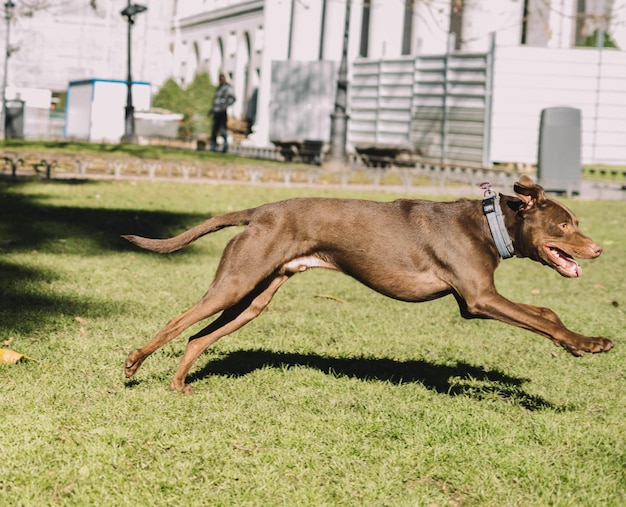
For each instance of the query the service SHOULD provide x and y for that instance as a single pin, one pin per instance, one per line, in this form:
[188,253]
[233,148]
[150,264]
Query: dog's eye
[564,226]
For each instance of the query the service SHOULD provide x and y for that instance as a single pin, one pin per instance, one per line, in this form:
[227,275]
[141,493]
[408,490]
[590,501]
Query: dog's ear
[529,192]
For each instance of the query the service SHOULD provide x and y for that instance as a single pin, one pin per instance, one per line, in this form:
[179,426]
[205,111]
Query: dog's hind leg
[230,320]
[212,302]
[171,330]
[215,300]
[236,279]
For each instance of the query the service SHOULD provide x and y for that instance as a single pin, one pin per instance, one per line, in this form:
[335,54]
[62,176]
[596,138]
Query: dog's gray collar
[493,212]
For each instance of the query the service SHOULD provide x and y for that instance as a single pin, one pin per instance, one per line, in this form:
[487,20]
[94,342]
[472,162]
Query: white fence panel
[451,106]
[432,105]
[381,95]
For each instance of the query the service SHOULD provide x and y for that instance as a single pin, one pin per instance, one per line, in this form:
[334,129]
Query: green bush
[192,102]
[591,41]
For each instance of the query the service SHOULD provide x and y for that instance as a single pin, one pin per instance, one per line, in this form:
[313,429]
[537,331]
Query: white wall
[527,80]
[500,16]
[562,23]
[69,41]
[431,21]
[275,17]
[617,24]
[307,17]
[386,27]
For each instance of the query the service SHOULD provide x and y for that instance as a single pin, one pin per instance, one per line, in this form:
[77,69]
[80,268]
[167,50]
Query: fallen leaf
[11,357]
[80,320]
[9,341]
[67,490]
[328,296]
[241,447]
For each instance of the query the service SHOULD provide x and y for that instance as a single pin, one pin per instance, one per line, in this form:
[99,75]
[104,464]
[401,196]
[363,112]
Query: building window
[365,30]
[535,23]
[322,30]
[407,31]
[456,22]
[196,53]
[524,23]
[581,22]
[219,61]
[259,39]
[206,50]
[231,44]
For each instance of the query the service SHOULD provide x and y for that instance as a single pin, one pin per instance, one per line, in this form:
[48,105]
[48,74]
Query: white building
[68,40]
[58,41]
[243,37]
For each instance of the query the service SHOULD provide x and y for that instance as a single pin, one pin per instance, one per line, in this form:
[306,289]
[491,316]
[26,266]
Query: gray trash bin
[559,167]
[14,119]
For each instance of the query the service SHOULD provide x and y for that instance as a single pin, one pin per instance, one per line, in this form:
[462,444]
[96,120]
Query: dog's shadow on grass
[460,379]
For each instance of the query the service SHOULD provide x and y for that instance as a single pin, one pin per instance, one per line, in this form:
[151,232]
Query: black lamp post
[129,136]
[339,118]
[8,15]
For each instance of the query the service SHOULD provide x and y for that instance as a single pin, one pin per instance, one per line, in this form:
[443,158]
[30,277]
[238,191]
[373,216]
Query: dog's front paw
[598,344]
[593,345]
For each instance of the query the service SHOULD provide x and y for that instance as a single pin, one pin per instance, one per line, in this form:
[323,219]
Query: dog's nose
[597,249]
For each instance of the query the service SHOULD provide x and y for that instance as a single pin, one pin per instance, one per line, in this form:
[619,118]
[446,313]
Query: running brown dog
[410,250]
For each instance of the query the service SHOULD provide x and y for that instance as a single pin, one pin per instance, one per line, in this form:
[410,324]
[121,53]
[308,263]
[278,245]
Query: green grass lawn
[352,399]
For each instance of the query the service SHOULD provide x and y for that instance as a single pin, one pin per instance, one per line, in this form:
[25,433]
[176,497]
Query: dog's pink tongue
[573,267]
[568,264]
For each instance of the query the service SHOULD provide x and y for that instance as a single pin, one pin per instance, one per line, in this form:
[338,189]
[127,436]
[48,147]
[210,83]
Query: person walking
[224,97]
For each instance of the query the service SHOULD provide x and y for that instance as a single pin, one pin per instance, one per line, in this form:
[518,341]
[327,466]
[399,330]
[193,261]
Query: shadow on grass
[28,223]
[28,301]
[461,379]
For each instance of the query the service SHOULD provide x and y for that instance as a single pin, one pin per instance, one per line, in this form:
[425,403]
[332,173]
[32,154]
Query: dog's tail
[177,242]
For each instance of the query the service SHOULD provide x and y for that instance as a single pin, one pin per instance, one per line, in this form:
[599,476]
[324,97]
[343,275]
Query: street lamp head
[132,10]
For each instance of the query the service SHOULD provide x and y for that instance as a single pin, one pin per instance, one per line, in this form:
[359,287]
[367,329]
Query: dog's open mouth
[563,262]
